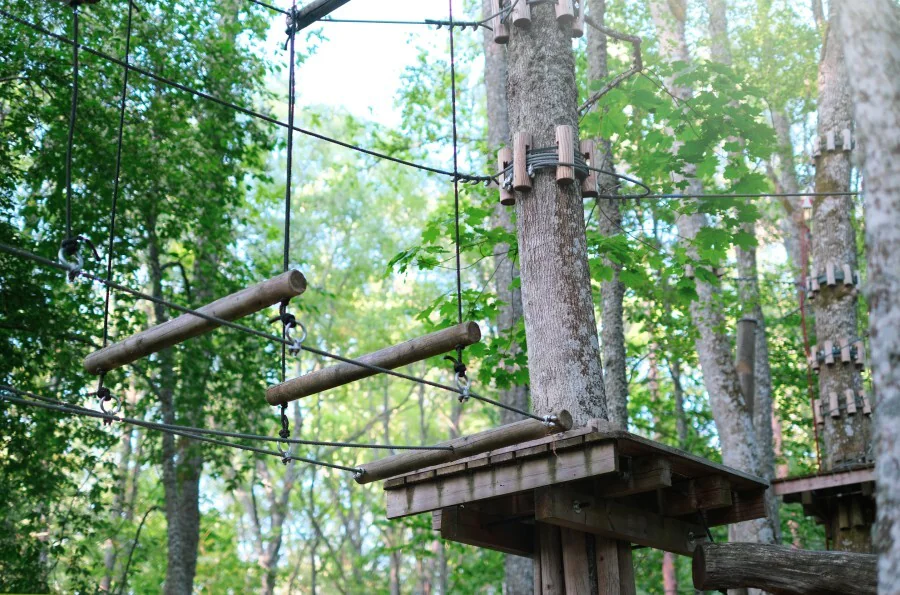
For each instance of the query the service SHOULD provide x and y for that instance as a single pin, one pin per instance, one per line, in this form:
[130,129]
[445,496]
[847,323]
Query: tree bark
[563,350]
[609,224]
[782,570]
[846,439]
[519,574]
[732,416]
[871,34]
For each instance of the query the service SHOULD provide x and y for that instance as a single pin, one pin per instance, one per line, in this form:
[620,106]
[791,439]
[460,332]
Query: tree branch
[637,64]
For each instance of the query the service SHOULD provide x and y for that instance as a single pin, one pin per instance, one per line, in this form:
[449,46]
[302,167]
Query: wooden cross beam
[392,357]
[315,10]
[231,307]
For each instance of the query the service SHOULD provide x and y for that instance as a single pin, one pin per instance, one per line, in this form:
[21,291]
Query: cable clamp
[550,420]
[69,248]
[462,381]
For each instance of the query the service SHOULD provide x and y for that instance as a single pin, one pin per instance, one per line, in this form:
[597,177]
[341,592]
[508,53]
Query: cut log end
[296,282]
[563,421]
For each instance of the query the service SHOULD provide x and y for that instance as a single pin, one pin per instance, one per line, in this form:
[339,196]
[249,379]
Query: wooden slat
[464,446]
[797,485]
[702,493]
[395,356]
[510,478]
[576,564]
[165,335]
[746,506]
[556,505]
[615,567]
[646,474]
[473,528]
[551,560]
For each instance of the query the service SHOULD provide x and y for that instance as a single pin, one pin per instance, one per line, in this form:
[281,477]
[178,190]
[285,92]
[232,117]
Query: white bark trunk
[871,34]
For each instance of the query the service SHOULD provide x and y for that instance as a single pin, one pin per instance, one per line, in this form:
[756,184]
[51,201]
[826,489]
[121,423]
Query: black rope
[251,331]
[81,411]
[223,433]
[459,307]
[248,112]
[117,181]
[69,247]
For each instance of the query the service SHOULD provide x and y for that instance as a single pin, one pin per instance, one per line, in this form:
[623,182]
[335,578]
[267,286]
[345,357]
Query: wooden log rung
[389,358]
[175,331]
[464,446]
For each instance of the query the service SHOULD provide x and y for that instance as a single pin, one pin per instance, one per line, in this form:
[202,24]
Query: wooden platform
[847,495]
[609,483]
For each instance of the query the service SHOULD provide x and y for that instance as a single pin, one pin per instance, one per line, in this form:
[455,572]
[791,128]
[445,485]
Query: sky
[357,67]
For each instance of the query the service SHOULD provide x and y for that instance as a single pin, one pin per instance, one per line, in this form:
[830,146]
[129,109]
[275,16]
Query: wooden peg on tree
[860,355]
[834,405]
[505,160]
[521,146]
[589,184]
[845,350]
[828,349]
[850,398]
[578,25]
[829,141]
[521,14]
[867,406]
[565,143]
[829,275]
[814,357]
[817,412]
[501,31]
[847,139]
[848,275]
[565,12]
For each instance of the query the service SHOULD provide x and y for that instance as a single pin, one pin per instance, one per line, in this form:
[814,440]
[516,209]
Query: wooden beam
[392,357]
[779,569]
[464,446]
[486,531]
[745,506]
[511,477]
[550,559]
[615,567]
[563,506]
[702,493]
[237,305]
[645,475]
[783,487]
[315,10]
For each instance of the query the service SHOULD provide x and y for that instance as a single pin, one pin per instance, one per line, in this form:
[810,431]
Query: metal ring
[115,409]
[74,269]
[296,344]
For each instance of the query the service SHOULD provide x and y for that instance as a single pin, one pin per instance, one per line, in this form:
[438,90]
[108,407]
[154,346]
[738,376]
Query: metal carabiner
[296,344]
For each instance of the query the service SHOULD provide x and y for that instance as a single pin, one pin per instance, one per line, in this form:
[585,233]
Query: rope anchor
[462,381]
[106,395]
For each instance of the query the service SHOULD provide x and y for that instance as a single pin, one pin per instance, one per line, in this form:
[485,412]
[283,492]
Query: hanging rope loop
[462,380]
[291,18]
[284,447]
[69,249]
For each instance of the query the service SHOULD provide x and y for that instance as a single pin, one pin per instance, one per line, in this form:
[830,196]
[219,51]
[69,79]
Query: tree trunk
[564,354]
[846,439]
[792,226]
[563,350]
[732,416]
[519,574]
[871,34]
[609,224]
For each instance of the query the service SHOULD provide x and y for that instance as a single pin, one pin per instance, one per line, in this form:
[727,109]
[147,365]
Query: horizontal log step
[395,356]
[175,331]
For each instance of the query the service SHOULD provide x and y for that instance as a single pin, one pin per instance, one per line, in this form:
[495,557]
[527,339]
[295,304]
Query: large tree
[871,37]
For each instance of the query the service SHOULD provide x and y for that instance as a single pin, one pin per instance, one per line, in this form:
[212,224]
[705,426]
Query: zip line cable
[246,111]
[250,331]
[105,416]
[220,433]
[459,307]
[69,247]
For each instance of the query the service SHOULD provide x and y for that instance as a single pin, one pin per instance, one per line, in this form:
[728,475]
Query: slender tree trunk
[871,34]
[519,574]
[118,509]
[792,226]
[730,411]
[847,439]
[609,223]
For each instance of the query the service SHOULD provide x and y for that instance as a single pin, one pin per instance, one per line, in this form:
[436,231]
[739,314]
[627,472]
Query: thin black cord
[115,198]
[248,112]
[223,433]
[292,81]
[80,411]
[72,115]
[245,329]
[459,307]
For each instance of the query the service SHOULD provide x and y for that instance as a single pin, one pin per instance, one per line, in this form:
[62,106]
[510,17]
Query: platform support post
[569,561]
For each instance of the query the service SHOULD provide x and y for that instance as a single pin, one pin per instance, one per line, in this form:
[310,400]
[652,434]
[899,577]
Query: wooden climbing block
[829,274]
[847,140]
[828,350]
[829,141]
[589,184]
[521,147]
[814,357]
[817,412]
[565,12]
[521,15]
[850,399]
[505,160]
[834,405]
[860,355]
[565,145]
[845,350]
[501,31]
[867,407]
[848,275]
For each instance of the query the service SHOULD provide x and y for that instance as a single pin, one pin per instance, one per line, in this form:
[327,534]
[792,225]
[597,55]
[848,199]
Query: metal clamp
[296,344]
